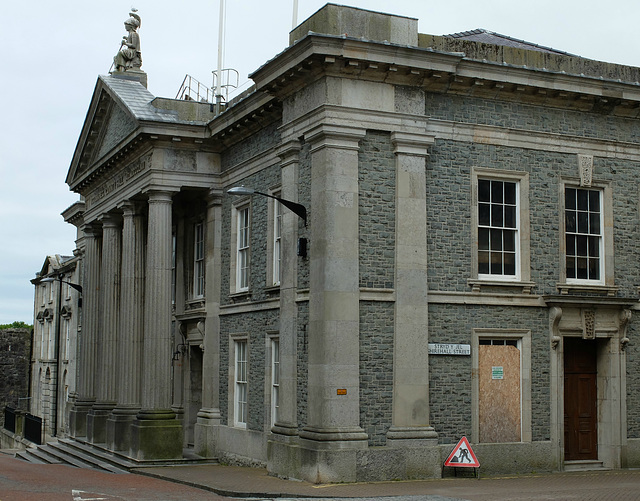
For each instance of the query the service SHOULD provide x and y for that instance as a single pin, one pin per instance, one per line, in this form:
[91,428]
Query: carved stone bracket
[588,323]
[555,314]
[585,166]
[625,316]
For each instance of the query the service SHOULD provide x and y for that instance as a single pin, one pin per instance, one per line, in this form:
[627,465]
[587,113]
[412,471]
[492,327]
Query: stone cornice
[317,55]
[545,141]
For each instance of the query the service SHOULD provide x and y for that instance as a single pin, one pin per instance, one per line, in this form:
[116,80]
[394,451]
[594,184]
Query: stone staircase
[585,465]
[75,452]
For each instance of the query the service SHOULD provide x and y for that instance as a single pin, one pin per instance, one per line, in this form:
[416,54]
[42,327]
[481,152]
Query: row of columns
[124,381]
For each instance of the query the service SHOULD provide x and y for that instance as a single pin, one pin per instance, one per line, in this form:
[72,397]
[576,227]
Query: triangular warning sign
[462,456]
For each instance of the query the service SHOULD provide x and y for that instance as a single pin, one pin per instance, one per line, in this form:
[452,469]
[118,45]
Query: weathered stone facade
[15,349]
[303,345]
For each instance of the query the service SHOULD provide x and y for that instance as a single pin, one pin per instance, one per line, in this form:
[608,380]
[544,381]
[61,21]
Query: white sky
[53,52]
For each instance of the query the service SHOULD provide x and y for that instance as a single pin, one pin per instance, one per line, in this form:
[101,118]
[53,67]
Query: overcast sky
[53,52]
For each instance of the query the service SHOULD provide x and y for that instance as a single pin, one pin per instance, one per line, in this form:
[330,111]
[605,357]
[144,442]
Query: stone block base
[119,430]
[156,439]
[205,436]
[78,421]
[97,426]
[302,460]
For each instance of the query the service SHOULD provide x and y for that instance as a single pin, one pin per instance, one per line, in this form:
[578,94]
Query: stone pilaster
[156,434]
[411,360]
[333,432]
[108,338]
[209,415]
[287,422]
[129,347]
[87,350]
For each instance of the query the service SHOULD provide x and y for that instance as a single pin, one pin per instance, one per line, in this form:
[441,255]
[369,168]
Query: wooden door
[580,400]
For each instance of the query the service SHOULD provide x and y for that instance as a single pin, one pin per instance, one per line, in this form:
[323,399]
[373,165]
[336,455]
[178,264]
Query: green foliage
[15,325]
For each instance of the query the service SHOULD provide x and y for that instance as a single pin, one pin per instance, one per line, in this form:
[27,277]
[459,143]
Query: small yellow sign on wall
[342,391]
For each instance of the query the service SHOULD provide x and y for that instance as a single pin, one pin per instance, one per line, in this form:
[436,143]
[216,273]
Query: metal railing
[33,428]
[10,419]
[192,90]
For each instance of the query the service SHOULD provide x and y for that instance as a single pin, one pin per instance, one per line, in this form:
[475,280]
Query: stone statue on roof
[129,57]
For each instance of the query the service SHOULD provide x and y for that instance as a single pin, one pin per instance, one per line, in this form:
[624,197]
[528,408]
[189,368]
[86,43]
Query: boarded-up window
[499,404]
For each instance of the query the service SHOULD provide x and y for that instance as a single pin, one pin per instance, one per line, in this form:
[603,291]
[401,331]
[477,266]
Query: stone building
[53,354]
[467,265]
[15,347]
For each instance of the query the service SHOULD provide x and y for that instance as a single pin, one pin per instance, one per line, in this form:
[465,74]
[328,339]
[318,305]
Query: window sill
[272,289]
[477,285]
[607,290]
[240,295]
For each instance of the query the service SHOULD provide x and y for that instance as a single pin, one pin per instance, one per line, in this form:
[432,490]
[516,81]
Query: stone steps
[78,453]
[585,465]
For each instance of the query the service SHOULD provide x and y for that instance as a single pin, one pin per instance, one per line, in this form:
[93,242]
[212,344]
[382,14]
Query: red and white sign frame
[462,456]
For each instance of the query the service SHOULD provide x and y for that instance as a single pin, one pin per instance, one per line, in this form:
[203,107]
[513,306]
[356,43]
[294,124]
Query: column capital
[159,195]
[410,143]
[129,208]
[109,220]
[289,152]
[91,230]
[214,197]
[335,136]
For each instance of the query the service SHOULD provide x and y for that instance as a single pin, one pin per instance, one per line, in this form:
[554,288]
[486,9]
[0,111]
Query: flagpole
[295,14]
[220,53]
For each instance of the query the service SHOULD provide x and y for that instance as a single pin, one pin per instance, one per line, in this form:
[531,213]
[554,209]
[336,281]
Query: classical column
[129,348]
[108,336]
[334,376]
[156,434]
[287,422]
[410,424]
[87,353]
[209,415]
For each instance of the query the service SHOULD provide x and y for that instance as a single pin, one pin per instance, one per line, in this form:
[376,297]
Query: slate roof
[137,99]
[485,36]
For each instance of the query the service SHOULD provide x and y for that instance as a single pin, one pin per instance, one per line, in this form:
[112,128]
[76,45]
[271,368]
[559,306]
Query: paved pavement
[255,483]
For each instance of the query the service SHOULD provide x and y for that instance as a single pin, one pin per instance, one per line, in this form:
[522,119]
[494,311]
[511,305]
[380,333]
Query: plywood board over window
[499,392]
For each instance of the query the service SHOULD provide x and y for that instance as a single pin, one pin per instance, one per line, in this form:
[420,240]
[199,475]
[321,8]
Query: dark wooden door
[580,400]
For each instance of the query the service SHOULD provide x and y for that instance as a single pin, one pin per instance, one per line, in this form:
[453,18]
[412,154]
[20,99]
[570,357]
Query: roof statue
[129,57]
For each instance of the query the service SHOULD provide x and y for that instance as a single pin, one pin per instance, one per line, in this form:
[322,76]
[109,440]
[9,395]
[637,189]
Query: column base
[119,428]
[205,432]
[335,437]
[156,435]
[411,436]
[78,417]
[97,422]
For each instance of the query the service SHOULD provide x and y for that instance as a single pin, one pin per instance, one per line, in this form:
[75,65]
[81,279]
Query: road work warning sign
[462,456]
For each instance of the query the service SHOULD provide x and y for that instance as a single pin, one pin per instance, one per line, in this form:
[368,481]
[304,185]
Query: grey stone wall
[633,379]
[258,142]
[515,115]
[449,230]
[303,363]
[304,197]
[15,351]
[255,325]
[259,215]
[450,376]
[376,369]
[376,201]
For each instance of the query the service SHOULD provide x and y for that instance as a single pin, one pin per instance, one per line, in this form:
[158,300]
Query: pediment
[108,124]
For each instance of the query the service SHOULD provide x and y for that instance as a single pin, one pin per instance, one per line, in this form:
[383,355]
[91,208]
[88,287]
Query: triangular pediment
[110,123]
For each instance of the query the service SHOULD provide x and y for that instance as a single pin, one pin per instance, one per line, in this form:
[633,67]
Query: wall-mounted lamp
[298,209]
[181,351]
